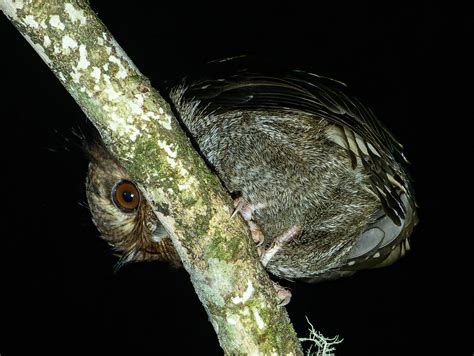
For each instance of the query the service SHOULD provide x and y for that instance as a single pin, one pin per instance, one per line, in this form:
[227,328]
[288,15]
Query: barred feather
[355,128]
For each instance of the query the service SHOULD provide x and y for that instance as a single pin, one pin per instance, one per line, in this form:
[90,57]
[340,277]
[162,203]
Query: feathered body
[302,154]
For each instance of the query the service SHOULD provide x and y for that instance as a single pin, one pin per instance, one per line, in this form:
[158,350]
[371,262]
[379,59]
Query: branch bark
[138,127]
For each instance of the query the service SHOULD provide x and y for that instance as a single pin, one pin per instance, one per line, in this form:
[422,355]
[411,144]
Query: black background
[59,292]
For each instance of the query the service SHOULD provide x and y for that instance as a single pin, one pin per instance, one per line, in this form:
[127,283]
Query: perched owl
[320,182]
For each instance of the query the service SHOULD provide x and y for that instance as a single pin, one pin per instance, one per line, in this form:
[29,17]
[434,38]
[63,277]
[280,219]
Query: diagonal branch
[138,127]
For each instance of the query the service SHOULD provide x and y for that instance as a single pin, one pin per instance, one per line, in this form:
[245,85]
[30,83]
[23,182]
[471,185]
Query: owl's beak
[159,233]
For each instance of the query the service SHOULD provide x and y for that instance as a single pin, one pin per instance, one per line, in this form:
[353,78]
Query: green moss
[143,149]
[201,225]
[218,247]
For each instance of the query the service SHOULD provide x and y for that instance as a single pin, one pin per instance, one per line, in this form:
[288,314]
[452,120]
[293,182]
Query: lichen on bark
[138,127]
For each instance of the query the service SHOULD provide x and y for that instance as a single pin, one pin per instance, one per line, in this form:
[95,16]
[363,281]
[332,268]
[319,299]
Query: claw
[245,208]
[283,294]
[256,233]
[239,204]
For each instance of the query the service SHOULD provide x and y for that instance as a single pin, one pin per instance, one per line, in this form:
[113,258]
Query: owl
[321,184]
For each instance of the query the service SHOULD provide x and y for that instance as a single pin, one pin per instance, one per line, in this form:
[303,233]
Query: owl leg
[246,210]
[283,294]
[278,243]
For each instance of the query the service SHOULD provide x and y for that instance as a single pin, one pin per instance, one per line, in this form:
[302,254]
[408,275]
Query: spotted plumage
[302,154]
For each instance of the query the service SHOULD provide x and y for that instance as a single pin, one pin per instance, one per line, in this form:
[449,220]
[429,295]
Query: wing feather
[355,127]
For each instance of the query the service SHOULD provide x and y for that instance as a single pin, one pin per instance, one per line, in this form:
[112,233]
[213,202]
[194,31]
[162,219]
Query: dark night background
[58,289]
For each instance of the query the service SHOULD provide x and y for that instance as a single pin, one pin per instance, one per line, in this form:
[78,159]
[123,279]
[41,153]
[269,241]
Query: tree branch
[138,127]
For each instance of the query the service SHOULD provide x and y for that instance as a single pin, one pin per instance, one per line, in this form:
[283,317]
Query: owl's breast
[291,178]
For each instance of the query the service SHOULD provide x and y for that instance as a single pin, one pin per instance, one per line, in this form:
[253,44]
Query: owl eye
[126,196]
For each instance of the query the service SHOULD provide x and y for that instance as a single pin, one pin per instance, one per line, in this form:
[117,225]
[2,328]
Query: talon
[239,204]
[256,233]
[246,210]
[283,294]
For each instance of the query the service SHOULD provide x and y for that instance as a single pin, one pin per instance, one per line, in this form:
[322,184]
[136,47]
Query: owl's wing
[355,127]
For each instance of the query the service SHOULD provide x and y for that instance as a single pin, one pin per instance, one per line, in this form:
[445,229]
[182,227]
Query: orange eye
[126,196]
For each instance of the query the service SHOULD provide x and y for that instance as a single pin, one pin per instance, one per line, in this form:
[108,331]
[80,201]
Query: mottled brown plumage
[302,155]
[135,235]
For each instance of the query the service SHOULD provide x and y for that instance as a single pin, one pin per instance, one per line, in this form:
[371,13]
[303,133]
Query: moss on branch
[138,127]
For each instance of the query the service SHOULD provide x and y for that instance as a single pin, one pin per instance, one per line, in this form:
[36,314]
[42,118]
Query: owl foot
[256,233]
[246,210]
[283,294]
[278,243]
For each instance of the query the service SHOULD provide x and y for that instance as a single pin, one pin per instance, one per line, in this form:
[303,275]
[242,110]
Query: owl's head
[120,211]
